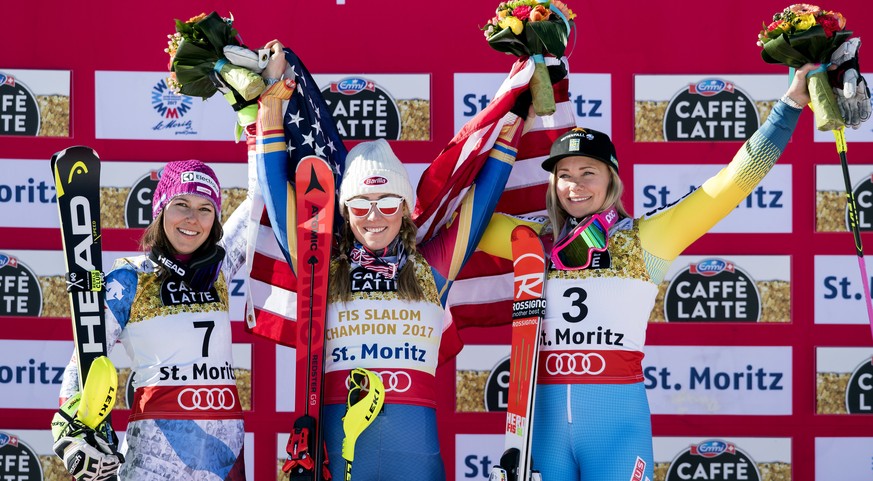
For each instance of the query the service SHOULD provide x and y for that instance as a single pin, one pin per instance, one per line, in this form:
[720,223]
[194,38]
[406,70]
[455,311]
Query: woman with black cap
[591,419]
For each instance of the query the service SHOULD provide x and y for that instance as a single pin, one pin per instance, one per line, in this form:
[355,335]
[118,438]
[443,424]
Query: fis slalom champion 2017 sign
[702,108]
[369,107]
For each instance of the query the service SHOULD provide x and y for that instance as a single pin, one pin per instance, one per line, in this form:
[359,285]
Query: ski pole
[840,138]
[360,411]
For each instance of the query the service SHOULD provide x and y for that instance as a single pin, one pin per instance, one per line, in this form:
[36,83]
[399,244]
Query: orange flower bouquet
[804,33]
[530,28]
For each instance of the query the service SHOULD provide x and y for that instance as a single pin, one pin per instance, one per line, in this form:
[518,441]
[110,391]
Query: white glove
[87,454]
[853,96]
[243,57]
[86,461]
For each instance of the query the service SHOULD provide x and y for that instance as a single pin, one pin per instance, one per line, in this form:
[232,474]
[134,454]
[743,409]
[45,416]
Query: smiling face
[187,222]
[376,231]
[581,185]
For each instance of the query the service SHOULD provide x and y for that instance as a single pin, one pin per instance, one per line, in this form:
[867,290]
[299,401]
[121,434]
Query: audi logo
[575,363]
[399,381]
[201,399]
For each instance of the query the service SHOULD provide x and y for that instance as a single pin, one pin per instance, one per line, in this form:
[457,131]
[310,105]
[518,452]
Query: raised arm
[667,231]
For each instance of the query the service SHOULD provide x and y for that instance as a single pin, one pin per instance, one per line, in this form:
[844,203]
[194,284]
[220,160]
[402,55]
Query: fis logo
[169,104]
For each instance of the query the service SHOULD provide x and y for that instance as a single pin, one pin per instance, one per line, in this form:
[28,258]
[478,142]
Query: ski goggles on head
[387,206]
[575,247]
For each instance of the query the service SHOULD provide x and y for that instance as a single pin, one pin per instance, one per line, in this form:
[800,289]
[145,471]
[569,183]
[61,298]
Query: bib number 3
[578,310]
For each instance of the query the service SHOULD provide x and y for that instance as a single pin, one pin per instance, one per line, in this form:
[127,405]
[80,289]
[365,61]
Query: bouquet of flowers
[801,34]
[532,28]
[199,66]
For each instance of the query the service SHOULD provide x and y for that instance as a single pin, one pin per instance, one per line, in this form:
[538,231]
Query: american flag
[309,129]
[481,294]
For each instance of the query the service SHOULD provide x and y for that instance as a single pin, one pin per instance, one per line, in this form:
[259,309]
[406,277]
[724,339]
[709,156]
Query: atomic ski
[528,308]
[315,209]
[77,182]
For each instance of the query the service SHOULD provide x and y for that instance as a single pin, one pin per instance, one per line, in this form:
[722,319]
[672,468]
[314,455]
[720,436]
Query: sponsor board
[140,105]
[590,96]
[27,194]
[476,454]
[843,458]
[722,458]
[839,293]
[702,108]
[286,379]
[831,207]
[31,372]
[482,378]
[378,106]
[844,380]
[719,380]
[722,288]
[20,287]
[126,190]
[768,209]
[35,102]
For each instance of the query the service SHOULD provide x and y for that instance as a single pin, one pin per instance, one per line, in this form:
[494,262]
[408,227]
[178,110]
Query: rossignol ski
[315,209]
[77,182]
[528,308]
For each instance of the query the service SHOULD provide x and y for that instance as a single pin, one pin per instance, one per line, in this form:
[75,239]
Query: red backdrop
[441,39]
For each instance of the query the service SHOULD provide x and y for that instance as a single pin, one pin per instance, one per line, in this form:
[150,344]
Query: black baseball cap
[584,142]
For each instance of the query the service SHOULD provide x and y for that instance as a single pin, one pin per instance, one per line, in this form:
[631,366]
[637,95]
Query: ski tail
[316,199]
[76,171]
[528,309]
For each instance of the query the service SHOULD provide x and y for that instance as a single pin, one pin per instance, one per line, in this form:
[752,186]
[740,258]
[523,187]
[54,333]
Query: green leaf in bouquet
[216,32]
[507,42]
[779,50]
[553,35]
[811,45]
[194,79]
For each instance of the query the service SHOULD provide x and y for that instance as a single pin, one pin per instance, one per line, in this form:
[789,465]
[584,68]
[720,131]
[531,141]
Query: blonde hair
[557,214]
[408,288]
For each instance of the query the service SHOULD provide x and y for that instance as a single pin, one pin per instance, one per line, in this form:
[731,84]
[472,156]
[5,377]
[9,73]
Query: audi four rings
[575,363]
[205,398]
[399,381]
